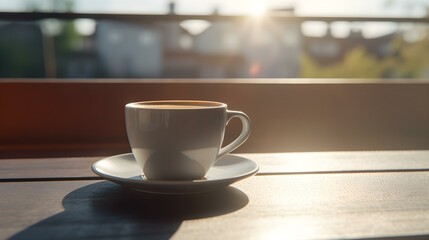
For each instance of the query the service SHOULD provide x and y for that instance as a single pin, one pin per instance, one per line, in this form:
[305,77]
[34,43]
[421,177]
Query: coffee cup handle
[245,132]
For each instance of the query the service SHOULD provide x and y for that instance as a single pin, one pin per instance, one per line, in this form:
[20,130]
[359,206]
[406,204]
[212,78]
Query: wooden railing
[85,117]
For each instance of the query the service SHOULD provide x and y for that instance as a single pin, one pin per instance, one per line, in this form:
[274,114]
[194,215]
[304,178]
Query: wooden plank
[362,161]
[270,163]
[319,206]
[37,168]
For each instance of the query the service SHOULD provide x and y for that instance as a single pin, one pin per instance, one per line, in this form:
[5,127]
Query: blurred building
[253,48]
[224,49]
[274,50]
[329,50]
[129,50]
[82,63]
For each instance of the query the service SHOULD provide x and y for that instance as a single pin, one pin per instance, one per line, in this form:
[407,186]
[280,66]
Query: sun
[257,9]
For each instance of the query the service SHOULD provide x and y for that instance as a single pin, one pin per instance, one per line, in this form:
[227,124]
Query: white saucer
[123,169]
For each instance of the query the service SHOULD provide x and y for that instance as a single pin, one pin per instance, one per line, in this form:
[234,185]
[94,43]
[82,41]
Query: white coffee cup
[180,139]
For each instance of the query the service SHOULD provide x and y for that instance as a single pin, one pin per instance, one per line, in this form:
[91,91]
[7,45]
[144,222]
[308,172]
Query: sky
[396,8]
[303,7]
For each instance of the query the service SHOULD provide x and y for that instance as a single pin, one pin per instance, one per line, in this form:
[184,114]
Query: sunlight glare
[257,9]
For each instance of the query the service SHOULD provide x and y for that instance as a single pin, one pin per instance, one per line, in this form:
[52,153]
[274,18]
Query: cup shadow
[106,210]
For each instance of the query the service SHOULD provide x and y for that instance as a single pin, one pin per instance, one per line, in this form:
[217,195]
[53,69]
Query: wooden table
[332,195]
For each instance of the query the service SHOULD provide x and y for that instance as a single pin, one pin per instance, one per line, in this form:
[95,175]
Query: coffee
[169,106]
[176,104]
[170,142]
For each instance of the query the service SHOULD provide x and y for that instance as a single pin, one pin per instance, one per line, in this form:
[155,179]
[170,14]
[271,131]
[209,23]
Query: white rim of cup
[196,102]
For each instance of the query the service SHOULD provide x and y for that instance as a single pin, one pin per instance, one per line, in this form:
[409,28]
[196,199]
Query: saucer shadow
[106,210]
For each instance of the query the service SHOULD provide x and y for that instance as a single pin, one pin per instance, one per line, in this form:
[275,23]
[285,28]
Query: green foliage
[410,61]
[356,63]
[66,41]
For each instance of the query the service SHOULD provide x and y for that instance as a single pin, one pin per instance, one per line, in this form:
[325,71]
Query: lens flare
[257,9]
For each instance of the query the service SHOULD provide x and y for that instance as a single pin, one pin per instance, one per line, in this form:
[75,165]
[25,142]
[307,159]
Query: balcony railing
[32,16]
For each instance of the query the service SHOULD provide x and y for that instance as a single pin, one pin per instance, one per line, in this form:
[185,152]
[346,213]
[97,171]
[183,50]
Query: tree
[408,61]
[357,63]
